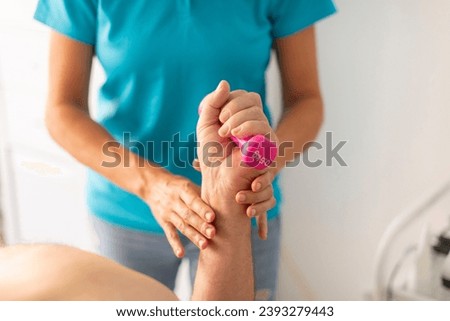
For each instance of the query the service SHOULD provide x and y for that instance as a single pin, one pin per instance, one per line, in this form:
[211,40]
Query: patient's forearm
[225,268]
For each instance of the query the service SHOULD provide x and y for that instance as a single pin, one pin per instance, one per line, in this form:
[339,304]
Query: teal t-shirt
[160,58]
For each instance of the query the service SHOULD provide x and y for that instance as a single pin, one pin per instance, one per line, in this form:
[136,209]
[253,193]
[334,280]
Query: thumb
[220,95]
[211,105]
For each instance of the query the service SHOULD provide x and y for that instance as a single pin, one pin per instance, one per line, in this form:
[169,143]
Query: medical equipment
[446,279]
[422,272]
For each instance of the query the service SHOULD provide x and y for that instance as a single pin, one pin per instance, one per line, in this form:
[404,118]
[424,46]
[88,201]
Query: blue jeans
[152,255]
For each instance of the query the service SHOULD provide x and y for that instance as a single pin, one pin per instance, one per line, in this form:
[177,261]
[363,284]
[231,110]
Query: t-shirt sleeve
[76,19]
[290,16]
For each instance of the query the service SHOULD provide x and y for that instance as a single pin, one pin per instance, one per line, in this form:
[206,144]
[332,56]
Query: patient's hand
[225,268]
[223,174]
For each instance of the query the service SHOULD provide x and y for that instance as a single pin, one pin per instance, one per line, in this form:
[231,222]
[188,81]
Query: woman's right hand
[176,204]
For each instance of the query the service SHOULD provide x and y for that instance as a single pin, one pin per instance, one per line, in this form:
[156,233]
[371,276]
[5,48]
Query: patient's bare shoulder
[60,272]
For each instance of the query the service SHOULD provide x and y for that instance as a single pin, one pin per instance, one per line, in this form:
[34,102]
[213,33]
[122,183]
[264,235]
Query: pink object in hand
[257,151]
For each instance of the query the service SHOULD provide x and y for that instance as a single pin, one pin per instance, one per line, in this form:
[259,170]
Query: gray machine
[413,260]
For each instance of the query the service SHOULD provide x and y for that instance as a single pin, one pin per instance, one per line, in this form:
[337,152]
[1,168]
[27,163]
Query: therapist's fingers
[262,181]
[174,239]
[191,218]
[190,195]
[188,231]
[261,221]
[262,207]
[250,197]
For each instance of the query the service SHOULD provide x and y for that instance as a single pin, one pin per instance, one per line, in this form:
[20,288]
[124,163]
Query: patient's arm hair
[59,272]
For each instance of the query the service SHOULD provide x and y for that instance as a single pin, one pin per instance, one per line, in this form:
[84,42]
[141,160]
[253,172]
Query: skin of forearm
[225,267]
[306,114]
[74,130]
[59,272]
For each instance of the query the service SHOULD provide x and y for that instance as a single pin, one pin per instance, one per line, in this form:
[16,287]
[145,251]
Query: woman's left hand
[243,116]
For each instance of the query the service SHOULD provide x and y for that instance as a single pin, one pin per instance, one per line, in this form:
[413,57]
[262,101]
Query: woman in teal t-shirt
[160,59]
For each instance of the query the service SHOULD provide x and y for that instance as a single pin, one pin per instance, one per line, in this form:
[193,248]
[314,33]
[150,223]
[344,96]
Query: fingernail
[224,130]
[236,130]
[258,186]
[209,231]
[225,116]
[241,198]
[220,84]
[179,252]
[252,212]
[201,244]
[209,216]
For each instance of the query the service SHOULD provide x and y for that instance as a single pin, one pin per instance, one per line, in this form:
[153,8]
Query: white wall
[41,185]
[385,74]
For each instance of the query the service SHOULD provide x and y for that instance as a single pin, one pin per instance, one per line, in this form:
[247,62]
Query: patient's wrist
[215,192]
[231,221]
[221,200]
